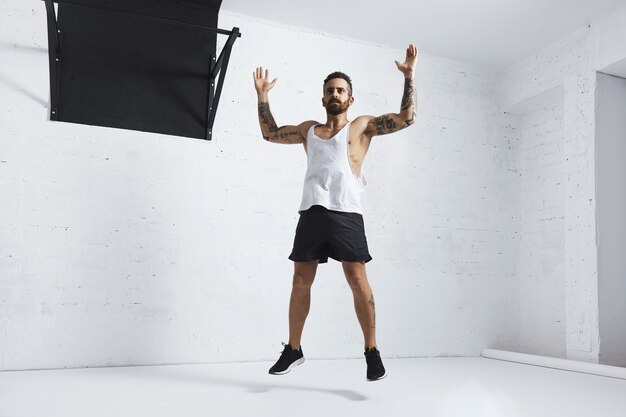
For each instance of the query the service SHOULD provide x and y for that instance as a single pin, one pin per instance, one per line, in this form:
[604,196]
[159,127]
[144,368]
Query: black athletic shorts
[323,233]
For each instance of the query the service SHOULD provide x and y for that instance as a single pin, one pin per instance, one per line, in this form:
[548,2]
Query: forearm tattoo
[268,120]
[266,117]
[371,303]
[385,124]
[408,99]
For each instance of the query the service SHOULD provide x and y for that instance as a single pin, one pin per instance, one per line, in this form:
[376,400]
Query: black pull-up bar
[216,67]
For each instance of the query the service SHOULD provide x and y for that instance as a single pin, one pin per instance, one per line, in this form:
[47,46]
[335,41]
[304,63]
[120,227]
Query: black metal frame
[214,92]
[54,58]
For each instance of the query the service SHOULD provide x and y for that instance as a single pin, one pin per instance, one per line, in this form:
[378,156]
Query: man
[331,222]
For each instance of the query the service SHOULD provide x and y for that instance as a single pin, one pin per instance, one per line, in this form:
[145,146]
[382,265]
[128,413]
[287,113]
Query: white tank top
[330,180]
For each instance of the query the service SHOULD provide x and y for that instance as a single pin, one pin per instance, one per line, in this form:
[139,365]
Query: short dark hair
[339,74]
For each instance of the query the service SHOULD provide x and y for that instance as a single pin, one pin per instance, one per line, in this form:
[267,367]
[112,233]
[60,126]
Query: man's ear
[351,100]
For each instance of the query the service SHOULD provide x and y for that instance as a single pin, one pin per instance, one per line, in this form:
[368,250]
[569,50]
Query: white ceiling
[492,33]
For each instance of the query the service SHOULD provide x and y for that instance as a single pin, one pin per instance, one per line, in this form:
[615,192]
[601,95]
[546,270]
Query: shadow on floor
[171,373]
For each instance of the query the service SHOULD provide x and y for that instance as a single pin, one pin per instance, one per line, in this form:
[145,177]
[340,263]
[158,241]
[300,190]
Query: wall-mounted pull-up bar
[92,62]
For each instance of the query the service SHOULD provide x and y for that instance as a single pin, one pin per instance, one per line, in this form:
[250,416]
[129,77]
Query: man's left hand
[408,67]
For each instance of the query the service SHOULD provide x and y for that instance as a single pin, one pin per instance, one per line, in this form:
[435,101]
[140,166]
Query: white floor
[432,387]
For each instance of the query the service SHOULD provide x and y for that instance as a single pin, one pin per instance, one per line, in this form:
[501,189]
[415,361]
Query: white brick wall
[540,163]
[568,66]
[119,247]
[122,247]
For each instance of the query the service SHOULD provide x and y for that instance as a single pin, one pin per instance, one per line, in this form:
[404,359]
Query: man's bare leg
[303,276]
[366,312]
[363,300]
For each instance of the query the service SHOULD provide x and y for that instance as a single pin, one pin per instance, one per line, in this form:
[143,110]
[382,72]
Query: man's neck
[336,122]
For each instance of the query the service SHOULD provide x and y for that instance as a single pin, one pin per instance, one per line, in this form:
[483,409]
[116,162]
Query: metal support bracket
[216,91]
[54,58]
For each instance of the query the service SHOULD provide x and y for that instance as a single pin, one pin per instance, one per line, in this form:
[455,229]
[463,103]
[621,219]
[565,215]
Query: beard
[335,108]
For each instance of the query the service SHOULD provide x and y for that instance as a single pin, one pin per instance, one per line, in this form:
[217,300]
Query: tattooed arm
[269,129]
[392,122]
[283,134]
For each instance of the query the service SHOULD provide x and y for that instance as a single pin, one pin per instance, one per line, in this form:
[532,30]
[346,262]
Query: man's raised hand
[262,82]
[408,67]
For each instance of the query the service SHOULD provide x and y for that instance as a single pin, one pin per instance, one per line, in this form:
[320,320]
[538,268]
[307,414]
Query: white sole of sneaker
[293,365]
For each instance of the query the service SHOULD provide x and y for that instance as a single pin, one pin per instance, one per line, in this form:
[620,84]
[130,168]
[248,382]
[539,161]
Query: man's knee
[304,275]
[302,281]
[355,274]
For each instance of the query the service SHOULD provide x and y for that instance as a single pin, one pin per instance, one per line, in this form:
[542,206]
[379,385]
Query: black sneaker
[375,368]
[288,359]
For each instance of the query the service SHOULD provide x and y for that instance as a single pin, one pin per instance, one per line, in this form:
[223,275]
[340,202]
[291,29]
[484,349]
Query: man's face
[337,97]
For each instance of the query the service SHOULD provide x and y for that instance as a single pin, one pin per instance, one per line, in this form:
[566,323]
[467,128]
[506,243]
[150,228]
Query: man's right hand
[270,130]
[262,83]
